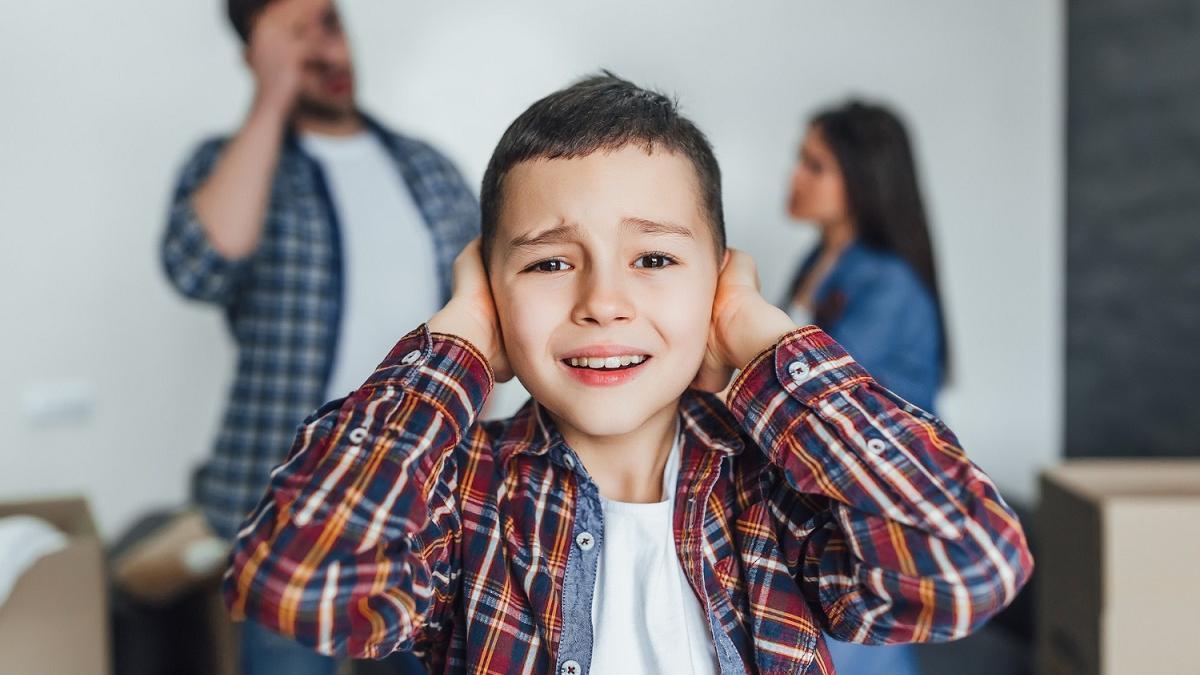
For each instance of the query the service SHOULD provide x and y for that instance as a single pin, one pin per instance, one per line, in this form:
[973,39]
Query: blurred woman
[871,282]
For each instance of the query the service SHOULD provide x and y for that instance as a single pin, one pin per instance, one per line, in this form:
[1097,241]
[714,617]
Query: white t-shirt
[389,272]
[645,617]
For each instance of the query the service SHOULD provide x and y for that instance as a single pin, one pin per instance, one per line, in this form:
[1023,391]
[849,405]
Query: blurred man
[323,236]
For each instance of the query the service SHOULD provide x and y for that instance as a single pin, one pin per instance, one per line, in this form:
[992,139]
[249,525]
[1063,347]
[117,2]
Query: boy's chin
[610,420]
[597,426]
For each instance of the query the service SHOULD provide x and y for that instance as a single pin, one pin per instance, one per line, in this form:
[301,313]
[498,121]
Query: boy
[816,500]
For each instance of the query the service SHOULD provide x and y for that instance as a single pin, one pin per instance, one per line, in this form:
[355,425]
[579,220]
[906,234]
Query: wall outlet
[59,402]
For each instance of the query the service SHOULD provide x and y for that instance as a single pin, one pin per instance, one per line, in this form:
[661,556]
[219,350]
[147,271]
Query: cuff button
[798,369]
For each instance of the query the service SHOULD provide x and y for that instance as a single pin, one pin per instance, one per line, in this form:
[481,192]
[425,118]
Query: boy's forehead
[628,188]
[567,232]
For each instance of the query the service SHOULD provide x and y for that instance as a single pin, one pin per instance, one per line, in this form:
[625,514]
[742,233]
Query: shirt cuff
[808,364]
[444,369]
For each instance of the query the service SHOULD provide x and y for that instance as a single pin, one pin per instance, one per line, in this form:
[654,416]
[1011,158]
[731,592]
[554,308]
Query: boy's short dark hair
[242,13]
[601,112]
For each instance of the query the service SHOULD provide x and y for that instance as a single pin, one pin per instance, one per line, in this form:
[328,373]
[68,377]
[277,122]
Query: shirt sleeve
[192,265]
[353,550]
[908,540]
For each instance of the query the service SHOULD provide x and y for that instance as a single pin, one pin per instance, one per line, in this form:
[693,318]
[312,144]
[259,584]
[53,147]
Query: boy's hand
[743,323]
[471,313]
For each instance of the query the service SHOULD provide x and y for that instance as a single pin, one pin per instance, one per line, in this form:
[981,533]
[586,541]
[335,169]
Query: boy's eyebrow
[654,227]
[556,235]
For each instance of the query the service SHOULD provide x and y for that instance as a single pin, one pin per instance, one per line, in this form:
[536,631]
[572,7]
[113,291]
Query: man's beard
[325,112]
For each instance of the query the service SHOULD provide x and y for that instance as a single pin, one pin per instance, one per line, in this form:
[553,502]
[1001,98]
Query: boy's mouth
[622,362]
[605,365]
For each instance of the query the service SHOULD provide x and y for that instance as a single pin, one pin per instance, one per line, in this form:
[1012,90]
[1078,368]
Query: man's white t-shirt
[645,617]
[389,271]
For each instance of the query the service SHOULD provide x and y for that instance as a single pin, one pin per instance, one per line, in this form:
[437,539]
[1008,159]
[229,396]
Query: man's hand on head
[281,40]
[471,311]
[743,323]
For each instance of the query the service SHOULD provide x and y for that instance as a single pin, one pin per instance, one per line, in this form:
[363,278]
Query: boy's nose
[601,302]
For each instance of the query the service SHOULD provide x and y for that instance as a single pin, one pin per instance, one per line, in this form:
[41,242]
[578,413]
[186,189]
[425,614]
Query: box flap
[69,514]
[1107,479]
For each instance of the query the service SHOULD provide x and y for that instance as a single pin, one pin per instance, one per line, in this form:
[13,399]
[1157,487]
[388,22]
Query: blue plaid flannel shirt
[283,303]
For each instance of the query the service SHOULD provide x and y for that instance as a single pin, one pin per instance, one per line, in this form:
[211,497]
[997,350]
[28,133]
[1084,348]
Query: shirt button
[411,357]
[571,668]
[357,435]
[569,461]
[876,445]
[585,541]
[798,369]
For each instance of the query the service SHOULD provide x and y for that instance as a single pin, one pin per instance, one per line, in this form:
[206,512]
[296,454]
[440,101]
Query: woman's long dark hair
[884,200]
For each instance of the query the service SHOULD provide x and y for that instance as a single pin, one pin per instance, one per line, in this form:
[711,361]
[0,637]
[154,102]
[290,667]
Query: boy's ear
[724,262]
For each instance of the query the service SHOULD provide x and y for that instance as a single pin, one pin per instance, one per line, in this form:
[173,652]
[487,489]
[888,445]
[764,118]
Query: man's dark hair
[242,13]
[601,113]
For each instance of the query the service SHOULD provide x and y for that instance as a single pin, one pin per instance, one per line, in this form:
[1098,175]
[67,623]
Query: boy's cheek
[524,339]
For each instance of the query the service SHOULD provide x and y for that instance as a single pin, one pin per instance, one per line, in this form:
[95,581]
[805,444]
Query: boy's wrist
[451,321]
[760,332]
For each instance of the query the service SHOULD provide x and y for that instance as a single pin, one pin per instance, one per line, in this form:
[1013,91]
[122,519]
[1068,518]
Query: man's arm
[219,207]
[232,203]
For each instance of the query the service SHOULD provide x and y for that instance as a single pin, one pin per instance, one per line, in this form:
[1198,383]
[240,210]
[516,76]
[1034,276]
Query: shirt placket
[692,553]
[579,581]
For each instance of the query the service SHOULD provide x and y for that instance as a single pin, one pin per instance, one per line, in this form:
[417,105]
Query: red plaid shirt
[816,501]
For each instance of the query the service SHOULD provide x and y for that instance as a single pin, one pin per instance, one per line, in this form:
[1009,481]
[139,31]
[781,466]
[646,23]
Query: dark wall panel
[1133,228]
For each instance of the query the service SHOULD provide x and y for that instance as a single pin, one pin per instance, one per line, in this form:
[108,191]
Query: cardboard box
[55,622]
[1119,567]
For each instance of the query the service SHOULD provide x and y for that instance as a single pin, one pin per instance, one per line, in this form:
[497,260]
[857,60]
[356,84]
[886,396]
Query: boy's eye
[653,261]
[553,265]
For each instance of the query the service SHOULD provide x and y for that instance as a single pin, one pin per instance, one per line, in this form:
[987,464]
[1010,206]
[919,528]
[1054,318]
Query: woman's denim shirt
[876,306]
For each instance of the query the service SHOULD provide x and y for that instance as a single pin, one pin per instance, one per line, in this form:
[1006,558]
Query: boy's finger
[742,270]
[468,266]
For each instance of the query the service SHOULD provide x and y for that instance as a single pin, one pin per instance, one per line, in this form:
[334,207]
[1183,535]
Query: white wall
[103,100]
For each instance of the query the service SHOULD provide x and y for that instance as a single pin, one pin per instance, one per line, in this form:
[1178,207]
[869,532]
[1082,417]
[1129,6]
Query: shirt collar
[705,421]
[291,139]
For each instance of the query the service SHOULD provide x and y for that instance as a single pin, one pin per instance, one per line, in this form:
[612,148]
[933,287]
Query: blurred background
[1058,145]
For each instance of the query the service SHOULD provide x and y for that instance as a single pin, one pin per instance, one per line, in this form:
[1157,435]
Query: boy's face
[602,261]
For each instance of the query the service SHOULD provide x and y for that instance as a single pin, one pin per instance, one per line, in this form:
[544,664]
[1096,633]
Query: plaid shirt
[284,302]
[816,500]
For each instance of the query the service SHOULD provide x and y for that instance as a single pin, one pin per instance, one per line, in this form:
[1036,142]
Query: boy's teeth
[604,362]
